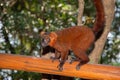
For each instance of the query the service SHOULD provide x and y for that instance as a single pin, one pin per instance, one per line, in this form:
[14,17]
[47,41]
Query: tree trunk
[80,12]
[109,7]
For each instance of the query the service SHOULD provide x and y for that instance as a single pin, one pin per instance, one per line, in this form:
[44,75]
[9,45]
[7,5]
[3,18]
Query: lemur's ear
[53,38]
[53,35]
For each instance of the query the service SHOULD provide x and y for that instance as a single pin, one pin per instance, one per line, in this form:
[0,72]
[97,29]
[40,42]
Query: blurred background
[22,20]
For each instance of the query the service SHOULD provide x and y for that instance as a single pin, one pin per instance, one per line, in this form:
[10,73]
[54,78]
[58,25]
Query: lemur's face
[47,39]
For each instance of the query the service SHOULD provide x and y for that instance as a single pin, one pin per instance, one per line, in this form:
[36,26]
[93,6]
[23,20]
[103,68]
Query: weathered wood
[34,64]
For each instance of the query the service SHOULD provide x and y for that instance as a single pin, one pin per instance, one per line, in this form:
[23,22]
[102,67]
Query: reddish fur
[70,38]
[100,16]
[77,38]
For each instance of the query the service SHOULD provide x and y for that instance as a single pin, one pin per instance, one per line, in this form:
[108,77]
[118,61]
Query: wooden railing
[40,65]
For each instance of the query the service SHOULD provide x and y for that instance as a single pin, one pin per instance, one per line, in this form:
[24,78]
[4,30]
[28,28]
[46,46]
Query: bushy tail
[100,18]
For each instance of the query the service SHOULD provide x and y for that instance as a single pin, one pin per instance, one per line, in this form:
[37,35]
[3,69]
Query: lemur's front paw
[60,68]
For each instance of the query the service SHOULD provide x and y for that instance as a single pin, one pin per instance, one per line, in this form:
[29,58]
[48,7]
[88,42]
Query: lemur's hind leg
[83,58]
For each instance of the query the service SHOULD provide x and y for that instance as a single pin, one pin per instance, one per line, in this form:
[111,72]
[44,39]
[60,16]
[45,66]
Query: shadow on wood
[40,65]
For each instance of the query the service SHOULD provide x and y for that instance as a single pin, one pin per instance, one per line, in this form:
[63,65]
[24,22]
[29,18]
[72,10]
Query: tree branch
[34,64]
[109,8]
[80,12]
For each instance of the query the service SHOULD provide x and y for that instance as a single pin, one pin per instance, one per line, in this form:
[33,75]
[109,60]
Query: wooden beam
[40,65]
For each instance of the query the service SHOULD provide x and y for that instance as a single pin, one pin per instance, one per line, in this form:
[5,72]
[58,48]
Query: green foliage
[18,75]
[26,75]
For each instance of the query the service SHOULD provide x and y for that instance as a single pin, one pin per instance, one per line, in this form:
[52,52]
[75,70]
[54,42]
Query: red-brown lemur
[76,38]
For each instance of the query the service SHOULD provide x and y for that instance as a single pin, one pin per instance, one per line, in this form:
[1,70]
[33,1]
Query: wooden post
[34,64]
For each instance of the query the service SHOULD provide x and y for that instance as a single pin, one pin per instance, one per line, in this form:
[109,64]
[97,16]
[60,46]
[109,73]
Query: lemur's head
[48,39]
